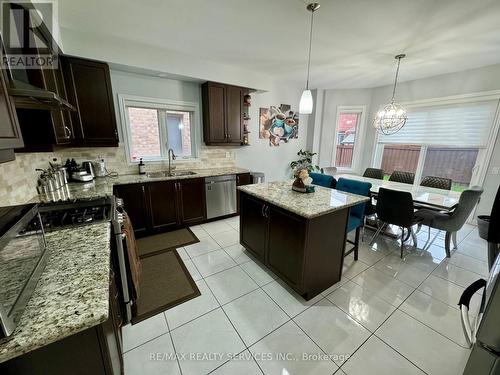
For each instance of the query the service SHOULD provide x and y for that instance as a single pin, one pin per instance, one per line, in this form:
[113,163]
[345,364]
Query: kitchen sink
[181,173]
[171,174]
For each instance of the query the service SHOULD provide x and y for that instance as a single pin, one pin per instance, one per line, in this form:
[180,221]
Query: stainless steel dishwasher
[220,193]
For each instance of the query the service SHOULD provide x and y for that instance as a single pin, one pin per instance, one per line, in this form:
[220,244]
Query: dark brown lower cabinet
[286,239]
[136,204]
[191,197]
[163,205]
[307,254]
[159,206]
[242,179]
[95,351]
[252,219]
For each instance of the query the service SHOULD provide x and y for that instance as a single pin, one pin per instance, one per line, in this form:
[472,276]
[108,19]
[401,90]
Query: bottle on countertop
[142,167]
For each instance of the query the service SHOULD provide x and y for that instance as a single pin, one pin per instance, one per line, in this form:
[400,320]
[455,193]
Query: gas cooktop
[76,212]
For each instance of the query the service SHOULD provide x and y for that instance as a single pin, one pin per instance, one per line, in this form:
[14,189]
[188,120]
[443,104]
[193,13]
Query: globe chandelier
[391,117]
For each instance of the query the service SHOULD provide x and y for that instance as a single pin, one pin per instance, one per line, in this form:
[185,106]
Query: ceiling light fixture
[391,117]
[306,100]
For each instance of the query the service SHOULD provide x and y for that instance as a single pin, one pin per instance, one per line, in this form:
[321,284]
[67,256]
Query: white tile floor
[386,316]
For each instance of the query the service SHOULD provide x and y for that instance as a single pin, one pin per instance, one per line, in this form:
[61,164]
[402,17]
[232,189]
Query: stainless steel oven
[23,256]
[121,259]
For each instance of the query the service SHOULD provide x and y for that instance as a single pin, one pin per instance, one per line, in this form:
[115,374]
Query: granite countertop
[101,187]
[321,202]
[73,291]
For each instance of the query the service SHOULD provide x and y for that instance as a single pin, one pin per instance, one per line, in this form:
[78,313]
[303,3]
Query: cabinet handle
[68,132]
[229,135]
[263,210]
[143,190]
[266,212]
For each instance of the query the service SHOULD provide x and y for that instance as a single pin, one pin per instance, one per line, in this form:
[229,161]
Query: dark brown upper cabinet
[38,93]
[222,114]
[88,84]
[43,128]
[10,132]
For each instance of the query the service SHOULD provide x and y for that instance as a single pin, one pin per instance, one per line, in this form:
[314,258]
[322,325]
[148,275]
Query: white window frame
[165,105]
[358,141]
[484,155]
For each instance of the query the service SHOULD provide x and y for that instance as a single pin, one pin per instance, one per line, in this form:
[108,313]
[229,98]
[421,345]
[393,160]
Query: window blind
[464,125]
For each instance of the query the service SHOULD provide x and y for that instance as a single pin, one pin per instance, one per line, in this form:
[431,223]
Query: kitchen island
[300,237]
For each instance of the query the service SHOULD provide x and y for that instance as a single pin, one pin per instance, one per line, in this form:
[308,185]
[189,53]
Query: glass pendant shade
[390,118]
[306,100]
[306,103]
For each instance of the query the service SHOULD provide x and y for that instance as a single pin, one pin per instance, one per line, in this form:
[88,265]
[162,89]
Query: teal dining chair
[324,180]
[357,212]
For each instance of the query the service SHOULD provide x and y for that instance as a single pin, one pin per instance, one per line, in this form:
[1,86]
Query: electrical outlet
[495,170]
[228,155]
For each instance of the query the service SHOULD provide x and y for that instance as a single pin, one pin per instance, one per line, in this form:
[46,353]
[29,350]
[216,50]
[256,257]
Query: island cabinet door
[285,246]
[164,205]
[135,203]
[253,226]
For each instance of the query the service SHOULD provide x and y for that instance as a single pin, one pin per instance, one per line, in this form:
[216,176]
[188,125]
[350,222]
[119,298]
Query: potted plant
[304,162]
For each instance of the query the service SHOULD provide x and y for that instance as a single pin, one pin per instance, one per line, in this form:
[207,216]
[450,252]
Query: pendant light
[391,117]
[306,100]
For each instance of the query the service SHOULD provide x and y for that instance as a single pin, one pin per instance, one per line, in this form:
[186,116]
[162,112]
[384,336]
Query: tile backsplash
[18,177]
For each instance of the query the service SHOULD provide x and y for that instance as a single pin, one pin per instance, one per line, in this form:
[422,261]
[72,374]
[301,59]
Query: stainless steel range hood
[32,97]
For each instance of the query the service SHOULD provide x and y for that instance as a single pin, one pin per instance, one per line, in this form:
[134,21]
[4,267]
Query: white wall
[260,157]
[153,87]
[333,99]
[469,81]
[465,82]
[128,52]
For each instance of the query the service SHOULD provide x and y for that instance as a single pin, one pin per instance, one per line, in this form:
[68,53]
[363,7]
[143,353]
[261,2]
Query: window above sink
[152,126]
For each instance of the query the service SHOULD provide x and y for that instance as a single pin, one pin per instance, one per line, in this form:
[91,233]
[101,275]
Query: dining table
[423,196]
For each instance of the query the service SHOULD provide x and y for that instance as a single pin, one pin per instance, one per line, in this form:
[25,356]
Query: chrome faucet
[171,156]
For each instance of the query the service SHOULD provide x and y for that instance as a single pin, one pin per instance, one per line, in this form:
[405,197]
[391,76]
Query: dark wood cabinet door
[163,205]
[242,179]
[89,90]
[10,132]
[61,120]
[214,113]
[253,226]
[234,116]
[136,205]
[192,200]
[285,245]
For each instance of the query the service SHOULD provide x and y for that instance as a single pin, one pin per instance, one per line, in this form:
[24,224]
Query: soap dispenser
[142,167]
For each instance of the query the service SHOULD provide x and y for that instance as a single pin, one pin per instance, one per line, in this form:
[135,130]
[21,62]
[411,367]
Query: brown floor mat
[161,242]
[165,283]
